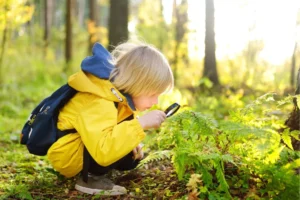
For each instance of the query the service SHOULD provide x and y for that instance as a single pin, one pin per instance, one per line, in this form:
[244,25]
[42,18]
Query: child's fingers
[135,152]
[138,152]
[141,154]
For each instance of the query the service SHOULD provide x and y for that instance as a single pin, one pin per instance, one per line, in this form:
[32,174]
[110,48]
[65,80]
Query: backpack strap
[65,132]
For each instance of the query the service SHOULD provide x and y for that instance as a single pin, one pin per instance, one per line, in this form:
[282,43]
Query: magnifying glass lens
[172,109]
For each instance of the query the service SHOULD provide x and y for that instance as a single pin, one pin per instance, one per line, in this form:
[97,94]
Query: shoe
[99,185]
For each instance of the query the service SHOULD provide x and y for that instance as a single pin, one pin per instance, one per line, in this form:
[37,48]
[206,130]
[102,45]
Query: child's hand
[152,119]
[138,153]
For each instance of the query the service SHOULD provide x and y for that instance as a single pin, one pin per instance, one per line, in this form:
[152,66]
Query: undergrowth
[242,157]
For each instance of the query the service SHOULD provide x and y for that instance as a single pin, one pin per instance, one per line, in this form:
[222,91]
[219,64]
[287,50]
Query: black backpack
[40,131]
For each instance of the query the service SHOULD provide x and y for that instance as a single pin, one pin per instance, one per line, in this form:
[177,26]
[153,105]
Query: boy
[112,88]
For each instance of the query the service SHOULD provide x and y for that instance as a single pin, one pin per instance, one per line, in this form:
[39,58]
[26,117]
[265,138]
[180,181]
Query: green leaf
[287,138]
[295,134]
[274,156]
[206,82]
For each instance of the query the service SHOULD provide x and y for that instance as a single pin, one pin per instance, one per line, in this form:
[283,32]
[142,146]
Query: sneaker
[99,185]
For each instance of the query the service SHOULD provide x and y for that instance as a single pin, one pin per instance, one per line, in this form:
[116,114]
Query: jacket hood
[99,64]
[94,75]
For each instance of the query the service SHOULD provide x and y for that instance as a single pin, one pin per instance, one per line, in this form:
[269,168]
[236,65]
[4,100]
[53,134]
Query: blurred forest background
[234,49]
[249,45]
[235,61]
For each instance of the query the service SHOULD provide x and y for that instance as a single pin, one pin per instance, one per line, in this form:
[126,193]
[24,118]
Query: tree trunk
[210,66]
[293,67]
[93,19]
[118,22]
[4,38]
[81,11]
[293,122]
[68,47]
[298,84]
[161,17]
[180,21]
[47,25]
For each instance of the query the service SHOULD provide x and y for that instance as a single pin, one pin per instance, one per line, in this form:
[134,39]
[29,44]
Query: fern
[207,177]
[193,137]
[221,178]
[156,156]
[248,141]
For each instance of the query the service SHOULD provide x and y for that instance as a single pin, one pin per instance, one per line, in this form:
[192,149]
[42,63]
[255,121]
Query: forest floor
[24,176]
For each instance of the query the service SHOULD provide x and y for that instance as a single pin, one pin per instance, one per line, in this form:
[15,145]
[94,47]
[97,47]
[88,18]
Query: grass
[25,176]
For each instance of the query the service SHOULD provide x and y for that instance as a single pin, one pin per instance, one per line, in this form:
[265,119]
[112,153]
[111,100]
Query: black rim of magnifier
[174,107]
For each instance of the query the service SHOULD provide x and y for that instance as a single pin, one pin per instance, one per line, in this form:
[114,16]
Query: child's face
[145,102]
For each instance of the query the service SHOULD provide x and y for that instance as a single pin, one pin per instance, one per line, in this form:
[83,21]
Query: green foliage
[153,23]
[190,136]
[13,13]
[19,191]
[22,173]
[242,156]
[28,76]
[156,156]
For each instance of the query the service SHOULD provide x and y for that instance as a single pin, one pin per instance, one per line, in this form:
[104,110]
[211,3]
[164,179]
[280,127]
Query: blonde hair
[140,70]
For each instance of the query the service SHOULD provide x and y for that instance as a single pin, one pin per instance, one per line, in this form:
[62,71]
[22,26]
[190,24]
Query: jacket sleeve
[105,139]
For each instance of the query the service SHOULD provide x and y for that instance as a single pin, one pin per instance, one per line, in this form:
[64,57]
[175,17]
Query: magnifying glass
[172,109]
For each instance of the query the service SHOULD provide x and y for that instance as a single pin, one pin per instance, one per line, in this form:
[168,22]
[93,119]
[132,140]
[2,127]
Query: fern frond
[156,156]
[221,178]
[206,176]
[238,130]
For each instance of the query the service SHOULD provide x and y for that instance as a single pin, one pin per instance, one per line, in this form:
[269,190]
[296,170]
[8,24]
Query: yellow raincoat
[98,123]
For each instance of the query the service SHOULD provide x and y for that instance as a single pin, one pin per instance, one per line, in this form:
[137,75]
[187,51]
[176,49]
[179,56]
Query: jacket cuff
[138,129]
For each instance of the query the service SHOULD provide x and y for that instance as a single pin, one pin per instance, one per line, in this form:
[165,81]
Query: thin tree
[210,65]
[293,66]
[80,12]
[118,22]
[4,36]
[68,44]
[162,23]
[180,20]
[48,21]
[93,19]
